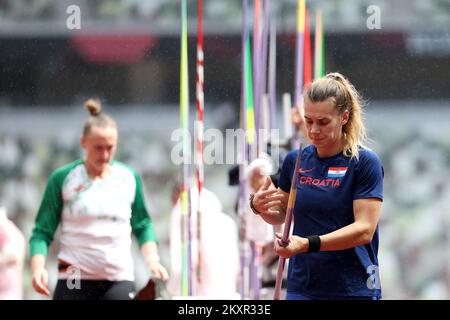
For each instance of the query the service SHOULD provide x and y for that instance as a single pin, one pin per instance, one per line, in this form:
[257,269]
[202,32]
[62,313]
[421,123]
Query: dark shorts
[94,290]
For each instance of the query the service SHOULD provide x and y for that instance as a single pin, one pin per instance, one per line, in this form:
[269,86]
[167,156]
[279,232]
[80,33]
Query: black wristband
[314,243]
[251,204]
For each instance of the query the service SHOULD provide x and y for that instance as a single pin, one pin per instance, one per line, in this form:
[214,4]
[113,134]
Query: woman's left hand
[295,246]
[158,270]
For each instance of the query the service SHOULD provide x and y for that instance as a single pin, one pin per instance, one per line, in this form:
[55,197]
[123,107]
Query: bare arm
[149,251]
[360,232]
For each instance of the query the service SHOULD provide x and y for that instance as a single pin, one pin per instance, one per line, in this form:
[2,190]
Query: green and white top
[96,217]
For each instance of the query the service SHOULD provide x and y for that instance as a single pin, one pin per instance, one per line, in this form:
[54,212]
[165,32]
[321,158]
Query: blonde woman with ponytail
[334,246]
[98,202]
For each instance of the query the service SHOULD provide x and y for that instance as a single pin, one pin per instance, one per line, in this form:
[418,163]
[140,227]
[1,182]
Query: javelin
[287,223]
[199,149]
[299,53]
[245,113]
[186,271]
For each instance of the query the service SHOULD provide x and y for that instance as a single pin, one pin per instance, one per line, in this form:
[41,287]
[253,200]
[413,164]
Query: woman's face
[324,124]
[100,145]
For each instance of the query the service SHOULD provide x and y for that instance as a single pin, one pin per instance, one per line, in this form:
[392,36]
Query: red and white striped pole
[199,129]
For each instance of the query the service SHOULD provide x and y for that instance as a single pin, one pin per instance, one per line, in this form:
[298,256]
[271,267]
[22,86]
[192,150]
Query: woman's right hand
[40,280]
[40,274]
[269,202]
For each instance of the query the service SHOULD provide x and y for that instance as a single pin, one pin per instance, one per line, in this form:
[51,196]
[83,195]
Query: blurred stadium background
[127,54]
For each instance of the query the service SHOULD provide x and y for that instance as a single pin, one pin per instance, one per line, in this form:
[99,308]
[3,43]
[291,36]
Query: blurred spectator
[12,255]
[218,270]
